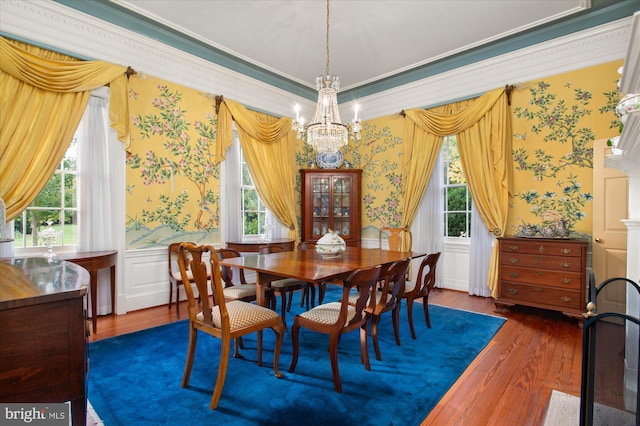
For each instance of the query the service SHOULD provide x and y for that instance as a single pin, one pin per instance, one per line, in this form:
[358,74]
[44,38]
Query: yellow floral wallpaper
[556,120]
[173,184]
[172,181]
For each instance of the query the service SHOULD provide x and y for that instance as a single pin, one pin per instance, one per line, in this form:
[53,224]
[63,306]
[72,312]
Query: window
[457,198]
[253,211]
[56,203]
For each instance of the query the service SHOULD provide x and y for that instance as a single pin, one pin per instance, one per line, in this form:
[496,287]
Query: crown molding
[66,30]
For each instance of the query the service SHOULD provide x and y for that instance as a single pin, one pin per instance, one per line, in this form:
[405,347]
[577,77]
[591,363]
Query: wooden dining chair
[338,318]
[285,287]
[240,289]
[420,289]
[175,279]
[396,237]
[225,320]
[322,287]
[387,298]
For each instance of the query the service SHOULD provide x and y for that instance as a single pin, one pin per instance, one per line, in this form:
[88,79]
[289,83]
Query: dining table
[309,266]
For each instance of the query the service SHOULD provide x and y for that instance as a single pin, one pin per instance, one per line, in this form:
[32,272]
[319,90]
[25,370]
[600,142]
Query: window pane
[246,177]
[456,200]
[70,185]
[250,223]
[250,199]
[456,224]
[50,196]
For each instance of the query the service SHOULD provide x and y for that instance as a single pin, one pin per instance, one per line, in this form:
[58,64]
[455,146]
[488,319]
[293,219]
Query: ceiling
[371,42]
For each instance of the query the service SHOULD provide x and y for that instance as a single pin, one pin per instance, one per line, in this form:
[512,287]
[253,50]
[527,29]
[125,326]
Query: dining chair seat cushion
[241,314]
[327,313]
[287,282]
[177,276]
[409,285]
[240,291]
[353,298]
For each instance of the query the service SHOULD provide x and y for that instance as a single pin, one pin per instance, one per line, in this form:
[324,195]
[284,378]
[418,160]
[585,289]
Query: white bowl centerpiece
[330,245]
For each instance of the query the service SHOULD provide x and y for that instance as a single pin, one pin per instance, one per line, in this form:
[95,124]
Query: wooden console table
[43,355]
[286,244]
[93,261]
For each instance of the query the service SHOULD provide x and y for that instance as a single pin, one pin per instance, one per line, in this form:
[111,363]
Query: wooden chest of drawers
[544,273]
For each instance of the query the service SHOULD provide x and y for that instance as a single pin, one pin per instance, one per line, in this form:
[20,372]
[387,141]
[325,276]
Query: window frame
[260,211]
[447,186]
[62,209]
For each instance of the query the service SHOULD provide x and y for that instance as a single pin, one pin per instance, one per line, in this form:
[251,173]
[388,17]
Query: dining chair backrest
[398,239]
[266,249]
[226,272]
[426,276]
[362,282]
[393,285]
[175,278]
[193,262]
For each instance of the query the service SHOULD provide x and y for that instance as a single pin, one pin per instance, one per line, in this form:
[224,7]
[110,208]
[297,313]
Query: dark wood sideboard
[544,273]
[43,344]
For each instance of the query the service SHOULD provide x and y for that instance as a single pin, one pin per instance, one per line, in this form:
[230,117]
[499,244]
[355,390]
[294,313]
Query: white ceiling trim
[66,29]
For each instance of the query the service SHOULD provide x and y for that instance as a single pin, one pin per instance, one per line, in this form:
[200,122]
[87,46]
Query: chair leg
[283,309]
[191,353]
[410,317]
[294,341]
[322,288]
[425,307]
[396,322]
[222,372]
[279,330]
[289,302]
[333,355]
[375,320]
[177,300]
[364,350]
[170,295]
[311,298]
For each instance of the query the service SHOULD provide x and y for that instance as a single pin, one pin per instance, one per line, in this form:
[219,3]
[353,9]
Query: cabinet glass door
[342,206]
[321,206]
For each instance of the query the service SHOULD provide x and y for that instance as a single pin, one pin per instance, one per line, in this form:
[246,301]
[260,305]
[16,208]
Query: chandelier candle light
[326,133]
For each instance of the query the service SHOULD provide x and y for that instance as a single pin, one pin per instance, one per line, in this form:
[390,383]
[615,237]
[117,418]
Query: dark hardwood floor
[509,383]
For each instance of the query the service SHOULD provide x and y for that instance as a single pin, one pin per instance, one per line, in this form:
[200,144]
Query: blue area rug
[135,378]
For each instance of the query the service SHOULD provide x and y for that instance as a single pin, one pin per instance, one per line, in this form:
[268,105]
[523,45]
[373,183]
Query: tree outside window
[457,198]
[252,209]
[57,202]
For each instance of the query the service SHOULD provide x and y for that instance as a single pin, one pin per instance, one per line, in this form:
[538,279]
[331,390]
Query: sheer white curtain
[231,219]
[95,202]
[428,225]
[481,244]
[231,198]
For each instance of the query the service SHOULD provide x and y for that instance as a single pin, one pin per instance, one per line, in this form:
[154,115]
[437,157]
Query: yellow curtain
[268,145]
[483,130]
[43,97]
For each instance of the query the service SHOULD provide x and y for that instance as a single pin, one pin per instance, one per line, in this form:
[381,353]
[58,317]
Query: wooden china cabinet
[331,200]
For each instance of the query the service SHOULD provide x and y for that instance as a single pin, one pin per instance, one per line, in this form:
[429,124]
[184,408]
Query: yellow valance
[44,95]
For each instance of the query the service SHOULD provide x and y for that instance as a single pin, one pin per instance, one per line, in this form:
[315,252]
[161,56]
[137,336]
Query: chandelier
[326,133]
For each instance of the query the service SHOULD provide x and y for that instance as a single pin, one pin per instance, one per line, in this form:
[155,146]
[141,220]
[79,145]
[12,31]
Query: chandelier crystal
[326,133]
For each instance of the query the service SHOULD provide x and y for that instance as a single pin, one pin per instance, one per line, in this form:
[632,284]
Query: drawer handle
[565,299]
[540,249]
[565,251]
[513,290]
[538,289]
[513,248]
[538,258]
[538,273]
[565,265]
[565,280]
[513,274]
[513,259]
